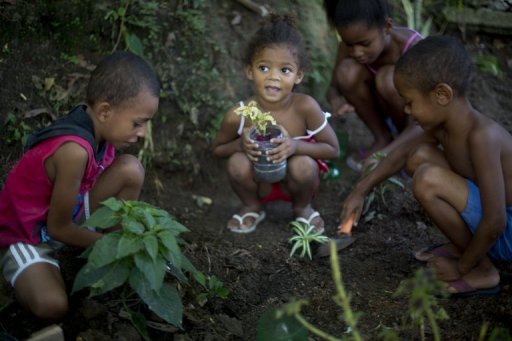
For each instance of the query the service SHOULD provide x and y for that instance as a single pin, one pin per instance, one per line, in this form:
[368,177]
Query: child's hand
[351,210]
[343,108]
[287,147]
[249,147]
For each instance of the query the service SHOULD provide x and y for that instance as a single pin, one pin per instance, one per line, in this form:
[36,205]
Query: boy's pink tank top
[25,198]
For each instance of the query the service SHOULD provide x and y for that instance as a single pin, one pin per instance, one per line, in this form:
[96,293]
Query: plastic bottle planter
[264,170]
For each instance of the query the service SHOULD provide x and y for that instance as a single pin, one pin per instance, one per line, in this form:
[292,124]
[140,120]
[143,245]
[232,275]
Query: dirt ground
[256,267]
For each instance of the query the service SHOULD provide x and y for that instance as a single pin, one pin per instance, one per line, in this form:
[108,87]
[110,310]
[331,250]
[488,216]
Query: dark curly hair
[278,30]
[119,77]
[342,13]
[435,60]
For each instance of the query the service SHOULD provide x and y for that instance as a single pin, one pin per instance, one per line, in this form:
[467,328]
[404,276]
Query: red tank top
[25,198]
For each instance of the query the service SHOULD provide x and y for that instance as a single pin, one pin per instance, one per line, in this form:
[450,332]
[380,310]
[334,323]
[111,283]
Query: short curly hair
[119,77]
[278,30]
[435,60]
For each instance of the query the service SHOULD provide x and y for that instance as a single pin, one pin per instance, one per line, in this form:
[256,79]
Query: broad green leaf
[113,203]
[134,44]
[188,266]
[101,280]
[128,245]
[151,244]
[116,274]
[148,220]
[104,250]
[154,271]
[87,276]
[180,276]
[132,225]
[139,322]
[173,252]
[166,303]
[102,218]
[172,225]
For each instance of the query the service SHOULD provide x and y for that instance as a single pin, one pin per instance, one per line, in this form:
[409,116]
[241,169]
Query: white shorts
[17,257]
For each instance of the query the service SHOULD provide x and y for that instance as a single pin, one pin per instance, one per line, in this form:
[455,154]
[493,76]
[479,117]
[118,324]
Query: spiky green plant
[304,235]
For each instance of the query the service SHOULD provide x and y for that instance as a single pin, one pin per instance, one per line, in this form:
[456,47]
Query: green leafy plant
[15,130]
[489,64]
[124,21]
[259,119]
[423,290]
[215,288]
[137,258]
[304,236]
[378,194]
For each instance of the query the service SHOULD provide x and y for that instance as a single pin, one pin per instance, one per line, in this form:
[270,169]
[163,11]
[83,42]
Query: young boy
[69,167]
[461,167]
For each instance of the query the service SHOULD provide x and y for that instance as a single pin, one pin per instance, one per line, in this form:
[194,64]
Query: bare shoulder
[305,104]
[70,158]
[403,34]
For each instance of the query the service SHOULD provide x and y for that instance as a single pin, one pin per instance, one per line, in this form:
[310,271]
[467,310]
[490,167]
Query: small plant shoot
[304,236]
[259,119]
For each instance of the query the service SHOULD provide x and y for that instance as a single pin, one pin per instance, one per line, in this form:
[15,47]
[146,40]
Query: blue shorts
[472,214]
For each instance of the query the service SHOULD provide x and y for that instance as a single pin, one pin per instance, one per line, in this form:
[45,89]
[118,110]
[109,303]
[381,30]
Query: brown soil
[256,267]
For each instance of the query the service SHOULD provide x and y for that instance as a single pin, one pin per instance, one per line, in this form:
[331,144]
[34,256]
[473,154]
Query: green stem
[315,330]
[348,315]
[433,325]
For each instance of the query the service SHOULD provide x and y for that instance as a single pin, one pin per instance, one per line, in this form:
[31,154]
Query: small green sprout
[259,119]
[304,235]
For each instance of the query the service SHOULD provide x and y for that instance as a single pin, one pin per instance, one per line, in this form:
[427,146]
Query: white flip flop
[258,218]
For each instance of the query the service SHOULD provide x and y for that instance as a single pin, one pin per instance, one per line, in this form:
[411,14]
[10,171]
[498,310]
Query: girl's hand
[287,147]
[249,147]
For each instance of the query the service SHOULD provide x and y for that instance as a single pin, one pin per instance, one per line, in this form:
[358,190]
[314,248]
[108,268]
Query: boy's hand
[351,209]
[249,147]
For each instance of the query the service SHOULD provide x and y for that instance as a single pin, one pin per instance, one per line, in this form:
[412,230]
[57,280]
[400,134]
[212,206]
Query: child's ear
[300,76]
[443,94]
[103,111]
[248,72]
[388,25]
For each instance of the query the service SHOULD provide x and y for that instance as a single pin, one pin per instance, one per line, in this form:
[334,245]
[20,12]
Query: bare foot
[484,276]
[447,250]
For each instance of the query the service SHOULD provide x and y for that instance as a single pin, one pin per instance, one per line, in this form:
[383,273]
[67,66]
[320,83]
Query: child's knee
[130,168]
[417,157]
[239,167]
[302,169]
[351,74]
[50,306]
[426,180]
[384,83]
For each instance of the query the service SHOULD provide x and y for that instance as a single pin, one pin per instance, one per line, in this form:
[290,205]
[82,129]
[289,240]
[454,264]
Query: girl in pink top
[70,167]
[362,79]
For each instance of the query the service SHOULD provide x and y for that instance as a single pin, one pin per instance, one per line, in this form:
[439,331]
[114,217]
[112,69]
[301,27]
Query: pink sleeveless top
[407,45]
[25,198]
